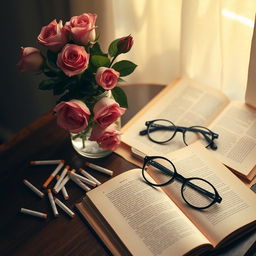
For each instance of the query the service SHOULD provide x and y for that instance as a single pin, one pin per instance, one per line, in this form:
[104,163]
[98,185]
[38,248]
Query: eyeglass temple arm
[181,179]
[156,128]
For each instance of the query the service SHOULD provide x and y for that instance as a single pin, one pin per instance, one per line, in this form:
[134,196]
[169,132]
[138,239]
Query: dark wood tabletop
[31,236]
[27,235]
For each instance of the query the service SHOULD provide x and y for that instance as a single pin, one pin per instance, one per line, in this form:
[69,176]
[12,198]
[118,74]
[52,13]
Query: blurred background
[205,40]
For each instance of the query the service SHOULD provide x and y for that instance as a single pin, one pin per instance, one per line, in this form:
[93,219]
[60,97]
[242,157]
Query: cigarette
[63,183]
[53,205]
[44,162]
[99,168]
[83,179]
[65,193]
[34,213]
[89,176]
[33,188]
[63,190]
[51,177]
[80,183]
[61,177]
[64,207]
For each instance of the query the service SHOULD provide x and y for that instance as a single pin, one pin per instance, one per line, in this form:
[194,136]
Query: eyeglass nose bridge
[180,129]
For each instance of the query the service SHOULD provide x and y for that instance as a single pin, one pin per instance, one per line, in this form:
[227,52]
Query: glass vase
[86,147]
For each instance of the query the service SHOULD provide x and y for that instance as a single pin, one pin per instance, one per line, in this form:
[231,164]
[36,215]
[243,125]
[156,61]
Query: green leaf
[124,67]
[50,73]
[46,84]
[120,97]
[96,50]
[52,58]
[59,88]
[112,49]
[100,61]
[120,80]
[66,97]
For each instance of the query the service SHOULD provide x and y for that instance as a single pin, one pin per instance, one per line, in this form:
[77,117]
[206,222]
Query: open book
[134,218]
[187,103]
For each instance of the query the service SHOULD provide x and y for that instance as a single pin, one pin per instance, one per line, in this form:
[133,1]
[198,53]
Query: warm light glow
[235,16]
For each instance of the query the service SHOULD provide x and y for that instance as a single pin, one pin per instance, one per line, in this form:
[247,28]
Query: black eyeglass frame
[209,135]
[185,182]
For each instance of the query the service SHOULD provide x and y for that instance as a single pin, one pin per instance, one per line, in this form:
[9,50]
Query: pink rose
[72,115]
[108,138]
[53,36]
[82,28]
[106,111]
[73,59]
[31,59]
[107,77]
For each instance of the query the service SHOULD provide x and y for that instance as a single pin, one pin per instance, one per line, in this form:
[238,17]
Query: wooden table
[43,139]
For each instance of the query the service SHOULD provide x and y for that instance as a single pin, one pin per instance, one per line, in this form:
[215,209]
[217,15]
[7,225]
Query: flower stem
[113,60]
[83,141]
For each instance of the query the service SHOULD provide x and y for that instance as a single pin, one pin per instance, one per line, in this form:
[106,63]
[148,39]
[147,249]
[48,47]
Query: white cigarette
[80,183]
[54,173]
[33,188]
[63,190]
[63,183]
[34,213]
[65,193]
[83,179]
[64,207]
[89,176]
[99,168]
[61,177]
[53,205]
[43,162]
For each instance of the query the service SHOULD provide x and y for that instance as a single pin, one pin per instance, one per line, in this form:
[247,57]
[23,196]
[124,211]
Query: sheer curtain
[205,40]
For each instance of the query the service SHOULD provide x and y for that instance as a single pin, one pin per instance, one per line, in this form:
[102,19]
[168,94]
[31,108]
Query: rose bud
[107,77]
[108,138]
[31,59]
[53,36]
[124,44]
[82,28]
[73,59]
[106,111]
[72,115]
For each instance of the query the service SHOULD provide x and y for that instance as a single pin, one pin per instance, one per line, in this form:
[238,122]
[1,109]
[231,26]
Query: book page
[145,219]
[238,206]
[185,104]
[236,127]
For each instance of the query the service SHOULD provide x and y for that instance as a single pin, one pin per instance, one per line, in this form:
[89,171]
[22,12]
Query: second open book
[187,103]
[133,218]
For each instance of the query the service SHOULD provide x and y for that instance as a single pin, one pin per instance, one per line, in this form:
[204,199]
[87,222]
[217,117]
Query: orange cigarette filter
[53,174]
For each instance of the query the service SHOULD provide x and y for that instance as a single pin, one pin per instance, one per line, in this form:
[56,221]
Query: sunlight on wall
[237,17]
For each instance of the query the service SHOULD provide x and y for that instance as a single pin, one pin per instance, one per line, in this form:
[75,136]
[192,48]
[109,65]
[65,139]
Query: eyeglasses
[197,193]
[162,131]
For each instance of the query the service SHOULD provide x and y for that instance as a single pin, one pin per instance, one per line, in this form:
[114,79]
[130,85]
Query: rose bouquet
[85,78]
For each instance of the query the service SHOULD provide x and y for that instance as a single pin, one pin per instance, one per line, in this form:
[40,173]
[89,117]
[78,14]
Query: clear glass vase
[86,147]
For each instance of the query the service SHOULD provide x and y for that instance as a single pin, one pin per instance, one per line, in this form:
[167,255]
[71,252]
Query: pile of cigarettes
[83,180]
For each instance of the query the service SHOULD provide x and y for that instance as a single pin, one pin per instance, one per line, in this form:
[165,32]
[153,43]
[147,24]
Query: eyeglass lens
[155,167]
[193,197]
[200,133]
[161,130]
